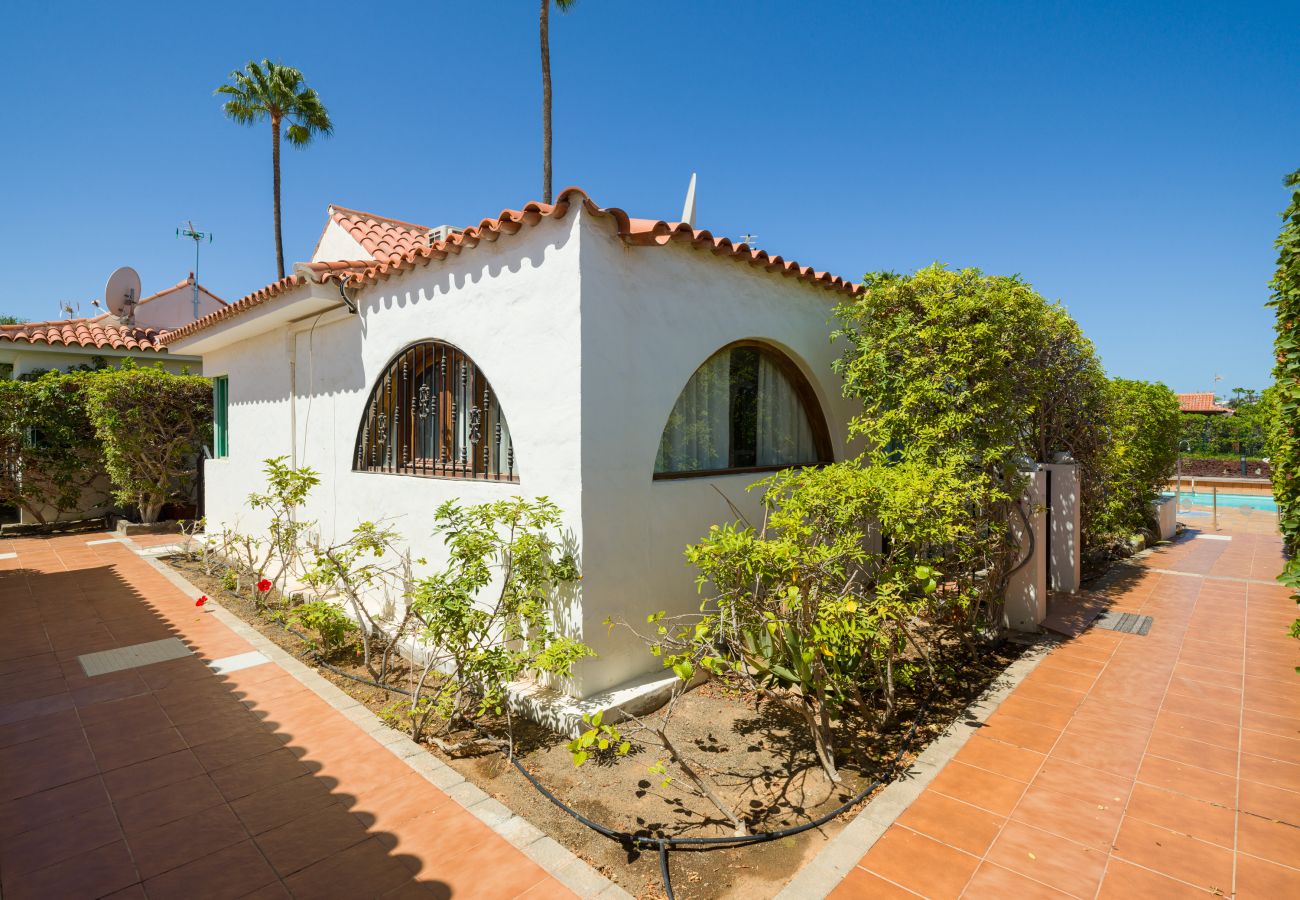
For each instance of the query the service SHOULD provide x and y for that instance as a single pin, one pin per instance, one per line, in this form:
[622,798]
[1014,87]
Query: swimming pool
[1205,498]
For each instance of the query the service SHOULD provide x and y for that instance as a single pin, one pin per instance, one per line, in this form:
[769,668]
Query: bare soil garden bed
[760,758]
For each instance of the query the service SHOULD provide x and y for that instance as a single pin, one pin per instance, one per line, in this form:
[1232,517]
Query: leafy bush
[327,621]
[1143,420]
[48,451]
[1284,443]
[151,425]
[492,615]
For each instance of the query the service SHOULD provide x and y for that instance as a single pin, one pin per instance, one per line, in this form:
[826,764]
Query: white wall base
[1025,604]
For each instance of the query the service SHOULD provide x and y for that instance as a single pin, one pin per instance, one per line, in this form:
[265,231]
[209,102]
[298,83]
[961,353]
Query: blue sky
[1126,158]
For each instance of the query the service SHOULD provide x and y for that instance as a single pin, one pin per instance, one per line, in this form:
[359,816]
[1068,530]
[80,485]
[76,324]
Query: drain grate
[1125,623]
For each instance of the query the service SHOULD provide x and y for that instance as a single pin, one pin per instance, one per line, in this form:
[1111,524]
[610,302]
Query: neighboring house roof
[84,333]
[637,232]
[187,284]
[380,236]
[1201,403]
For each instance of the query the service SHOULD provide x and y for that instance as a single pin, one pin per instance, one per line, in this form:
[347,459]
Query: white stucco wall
[587,343]
[651,316]
[336,244]
[175,309]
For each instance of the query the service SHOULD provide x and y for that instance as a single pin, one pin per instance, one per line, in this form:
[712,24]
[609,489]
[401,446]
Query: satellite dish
[122,292]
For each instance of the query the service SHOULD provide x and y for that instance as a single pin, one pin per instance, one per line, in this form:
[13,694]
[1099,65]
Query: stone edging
[841,854]
[559,862]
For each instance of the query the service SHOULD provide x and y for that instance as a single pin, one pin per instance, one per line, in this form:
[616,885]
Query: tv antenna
[198,237]
[69,308]
[749,239]
[122,293]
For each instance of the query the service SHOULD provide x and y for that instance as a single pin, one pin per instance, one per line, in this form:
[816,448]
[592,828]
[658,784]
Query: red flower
[202,600]
[264,585]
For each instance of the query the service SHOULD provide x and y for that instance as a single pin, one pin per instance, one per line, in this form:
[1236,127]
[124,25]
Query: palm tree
[271,91]
[562,6]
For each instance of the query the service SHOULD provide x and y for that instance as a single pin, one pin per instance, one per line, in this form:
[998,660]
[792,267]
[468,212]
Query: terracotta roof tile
[259,296]
[642,232]
[1201,403]
[87,333]
[637,232]
[382,237]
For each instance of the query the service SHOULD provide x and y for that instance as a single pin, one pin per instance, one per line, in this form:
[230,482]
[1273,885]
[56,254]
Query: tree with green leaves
[151,426]
[545,22]
[1284,443]
[268,90]
[48,452]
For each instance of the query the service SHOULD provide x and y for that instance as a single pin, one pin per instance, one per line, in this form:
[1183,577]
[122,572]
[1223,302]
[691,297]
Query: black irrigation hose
[663,844]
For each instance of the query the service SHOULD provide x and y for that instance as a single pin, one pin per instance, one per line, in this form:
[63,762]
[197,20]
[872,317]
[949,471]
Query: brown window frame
[425,387]
[807,397]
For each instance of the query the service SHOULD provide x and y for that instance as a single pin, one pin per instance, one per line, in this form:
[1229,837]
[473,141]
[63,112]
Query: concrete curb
[841,854]
[560,863]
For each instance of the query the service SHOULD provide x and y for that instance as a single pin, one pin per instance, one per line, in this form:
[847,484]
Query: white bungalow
[639,373]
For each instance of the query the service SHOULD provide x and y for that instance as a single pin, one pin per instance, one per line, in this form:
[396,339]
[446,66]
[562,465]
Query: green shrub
[151,426]
[48,450]
[327,621]
[1143,421]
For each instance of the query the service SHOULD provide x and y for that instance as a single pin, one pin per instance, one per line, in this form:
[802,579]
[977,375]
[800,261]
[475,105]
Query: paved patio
[171,781]
[1165,765]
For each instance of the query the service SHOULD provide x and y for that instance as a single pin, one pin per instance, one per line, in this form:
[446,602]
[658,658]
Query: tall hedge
[151,426]
[1284,444]
[1142,422]
[48,450]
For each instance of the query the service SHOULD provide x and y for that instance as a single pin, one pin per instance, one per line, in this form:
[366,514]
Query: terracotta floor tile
[1125,881]
[1282,726]
[168,804]
[1178,725]
[1059,863]
[1176,855]
[1194,753]
[1110,750]
[309,839]
[863,884]
[1046,714]
[995,793]
[1260,878]
[237,748]
[1272,772]
[1011,730]
[995,883]
[58,723]
[1261,743]
[58,841]
[1224,714]
[1091,824]
[96,873]
[491,869]
[154,773]
[163,848]
[54,805]
[365,869]
[257,774]
[1084,783]
[393,804]
[40,765]
[234,871]
[1275,841]
[126,750]
[283,802]
[1003,759]
[956,824]
[1201,784]
[1178,812]
[1269,802]
[920,864]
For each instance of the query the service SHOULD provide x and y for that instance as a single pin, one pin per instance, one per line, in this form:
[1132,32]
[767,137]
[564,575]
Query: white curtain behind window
[784,434]
[696,437]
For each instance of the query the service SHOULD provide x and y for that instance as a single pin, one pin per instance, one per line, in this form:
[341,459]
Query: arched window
[433,413]
[748,408]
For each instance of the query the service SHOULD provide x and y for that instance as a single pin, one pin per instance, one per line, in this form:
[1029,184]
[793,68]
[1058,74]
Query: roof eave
[301,300]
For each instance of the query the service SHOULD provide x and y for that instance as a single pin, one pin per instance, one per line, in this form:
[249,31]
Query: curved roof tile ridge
[640,232]
[87,333]
[637,232]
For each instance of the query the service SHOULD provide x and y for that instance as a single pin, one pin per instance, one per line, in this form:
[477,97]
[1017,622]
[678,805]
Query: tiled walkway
[171,781]
[1128,766]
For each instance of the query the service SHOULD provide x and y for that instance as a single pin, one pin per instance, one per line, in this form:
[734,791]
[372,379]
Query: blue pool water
[1205,498]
